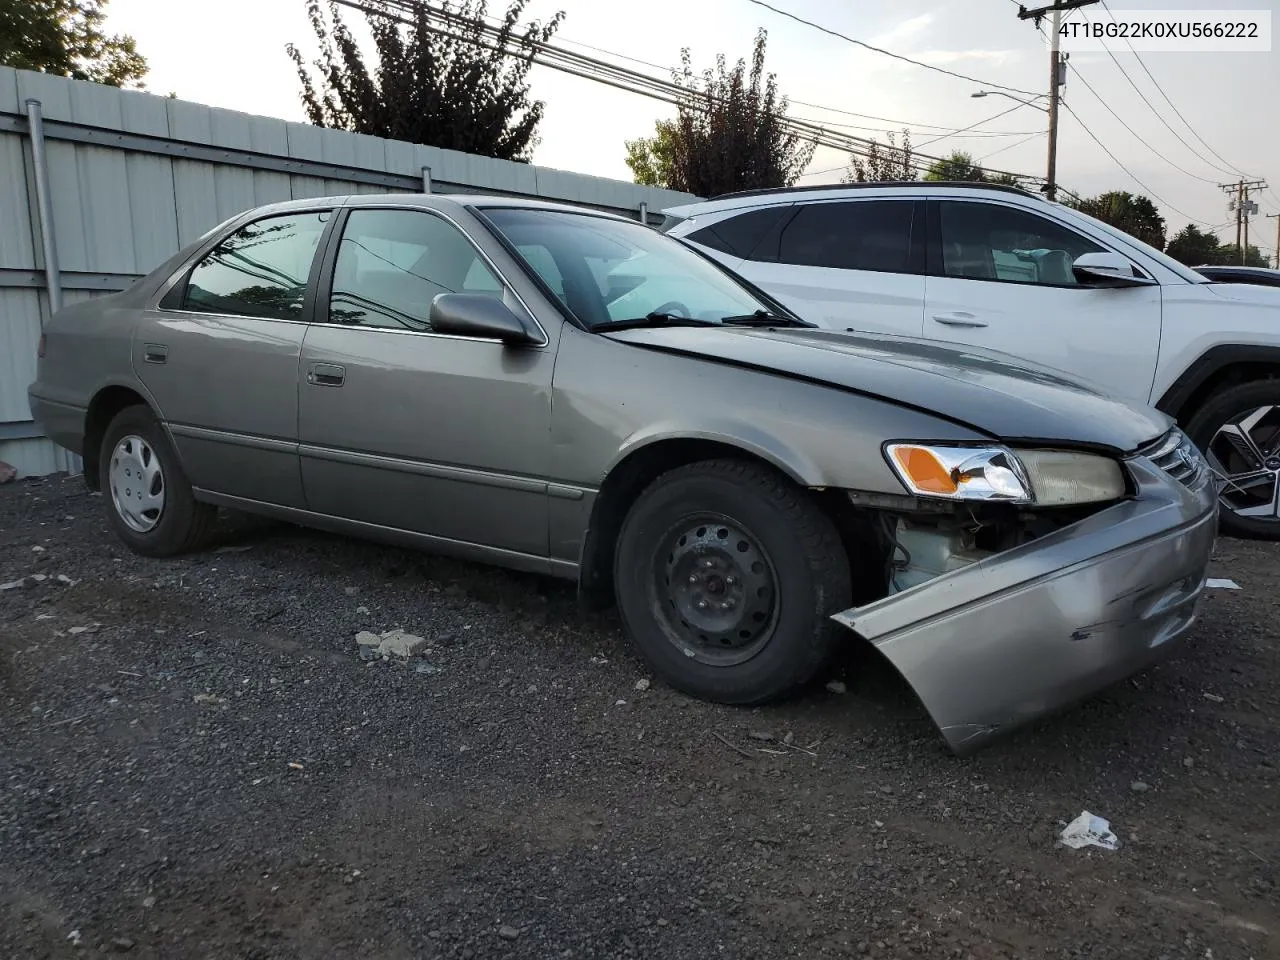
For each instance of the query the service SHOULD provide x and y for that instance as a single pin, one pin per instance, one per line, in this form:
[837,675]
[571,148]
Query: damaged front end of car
[1010,582]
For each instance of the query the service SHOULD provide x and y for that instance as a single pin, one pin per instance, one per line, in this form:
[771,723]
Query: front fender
[749,438]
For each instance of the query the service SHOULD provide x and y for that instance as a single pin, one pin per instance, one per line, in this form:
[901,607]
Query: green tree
[1196,247]
[65,37]
[652,160]
[729,132]
[883,164]
[1135,215]
[1253,257]
[440,80]
[1005,180]
[958,166]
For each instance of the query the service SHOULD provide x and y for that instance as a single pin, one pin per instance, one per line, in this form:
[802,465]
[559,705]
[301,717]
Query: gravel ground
[194,762]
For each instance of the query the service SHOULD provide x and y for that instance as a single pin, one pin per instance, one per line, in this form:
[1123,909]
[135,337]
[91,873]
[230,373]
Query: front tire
[726,574]
[148,496]
[1238,430]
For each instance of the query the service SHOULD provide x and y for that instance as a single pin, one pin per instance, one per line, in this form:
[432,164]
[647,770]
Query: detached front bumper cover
[1025,632]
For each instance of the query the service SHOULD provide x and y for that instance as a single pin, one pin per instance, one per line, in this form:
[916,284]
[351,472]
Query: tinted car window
[859,235]
[986,241]
[740,235]
[392,263]
[260,270]
[606,269]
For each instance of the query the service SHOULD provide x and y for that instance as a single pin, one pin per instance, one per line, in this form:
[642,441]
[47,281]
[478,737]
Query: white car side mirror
[1107,270]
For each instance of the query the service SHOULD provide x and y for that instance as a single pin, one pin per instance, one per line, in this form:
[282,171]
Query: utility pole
[1057,69]
[1277,219]
[1243,207]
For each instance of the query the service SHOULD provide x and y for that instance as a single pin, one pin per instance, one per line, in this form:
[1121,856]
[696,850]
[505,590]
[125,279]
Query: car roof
[786,194]
[436,201]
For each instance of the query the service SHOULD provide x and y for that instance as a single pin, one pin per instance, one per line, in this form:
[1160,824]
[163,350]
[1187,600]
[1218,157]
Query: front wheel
[1239,432]
[726,574]
[149,497]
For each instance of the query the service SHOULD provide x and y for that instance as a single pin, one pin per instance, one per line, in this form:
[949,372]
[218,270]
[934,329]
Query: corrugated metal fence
[133,177]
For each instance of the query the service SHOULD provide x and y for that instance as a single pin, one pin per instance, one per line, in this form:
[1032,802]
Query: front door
[220,358]
[410,429]
[1001,278]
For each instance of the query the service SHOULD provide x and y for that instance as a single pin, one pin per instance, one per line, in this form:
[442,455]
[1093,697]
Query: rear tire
[148,496]
[1238,429]
[726,574]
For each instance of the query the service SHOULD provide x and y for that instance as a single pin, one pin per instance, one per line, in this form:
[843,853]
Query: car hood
[998,394]
[1255,293]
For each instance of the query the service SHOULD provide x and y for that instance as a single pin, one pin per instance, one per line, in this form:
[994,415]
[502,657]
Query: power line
[1088,86]
[1173,106]
[1016,106]
[1117,162]
[1016,143]
[888,53]
[896,124]
[600,71]
[938,134]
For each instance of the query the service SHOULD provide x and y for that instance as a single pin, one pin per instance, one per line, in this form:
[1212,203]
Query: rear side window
[857,235]
[739,236]
[260,270]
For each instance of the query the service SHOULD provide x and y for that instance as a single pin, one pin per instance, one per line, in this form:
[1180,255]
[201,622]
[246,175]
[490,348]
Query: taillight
[40,348]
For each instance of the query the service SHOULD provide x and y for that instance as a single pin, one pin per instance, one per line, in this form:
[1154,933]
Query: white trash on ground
[392,643]
[1221,583]
[1087,830]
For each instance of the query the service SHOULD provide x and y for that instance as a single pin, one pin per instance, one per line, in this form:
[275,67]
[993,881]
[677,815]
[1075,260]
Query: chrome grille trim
[1176,455]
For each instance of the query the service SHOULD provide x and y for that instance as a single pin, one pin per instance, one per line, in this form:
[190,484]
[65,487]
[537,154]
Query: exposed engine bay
[918,540]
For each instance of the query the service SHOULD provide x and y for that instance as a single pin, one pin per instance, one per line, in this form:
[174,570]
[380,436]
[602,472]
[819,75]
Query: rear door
[220,357]
[843,264]
[1000,278]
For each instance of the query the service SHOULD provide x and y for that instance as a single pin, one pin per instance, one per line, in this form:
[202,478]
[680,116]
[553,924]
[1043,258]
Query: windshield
[607,270]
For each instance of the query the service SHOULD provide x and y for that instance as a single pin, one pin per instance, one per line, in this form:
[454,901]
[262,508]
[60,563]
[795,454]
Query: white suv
[1002,269]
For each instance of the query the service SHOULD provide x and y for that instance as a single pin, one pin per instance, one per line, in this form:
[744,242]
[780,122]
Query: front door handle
[326,374]
[958,319]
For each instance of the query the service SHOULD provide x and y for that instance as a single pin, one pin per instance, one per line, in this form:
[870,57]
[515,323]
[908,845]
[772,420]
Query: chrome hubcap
[137,484]
[1245,455]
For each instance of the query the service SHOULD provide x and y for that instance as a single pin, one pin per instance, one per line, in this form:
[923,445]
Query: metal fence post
[426,179]
[644,212]
[44,206]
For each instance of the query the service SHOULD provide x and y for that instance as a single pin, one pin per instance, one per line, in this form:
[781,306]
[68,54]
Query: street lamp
[1025,103]
[1050,186]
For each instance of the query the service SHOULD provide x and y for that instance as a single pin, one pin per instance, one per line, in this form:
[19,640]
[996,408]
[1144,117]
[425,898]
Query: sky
[191,46]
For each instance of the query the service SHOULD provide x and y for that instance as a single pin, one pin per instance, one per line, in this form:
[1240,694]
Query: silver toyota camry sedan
[568,392]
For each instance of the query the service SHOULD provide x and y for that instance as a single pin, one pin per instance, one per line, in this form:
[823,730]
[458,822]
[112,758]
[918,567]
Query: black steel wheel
[726,576]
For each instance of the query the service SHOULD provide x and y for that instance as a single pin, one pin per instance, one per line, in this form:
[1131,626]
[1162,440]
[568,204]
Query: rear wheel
[150,500]
[726,574]
[1239,431]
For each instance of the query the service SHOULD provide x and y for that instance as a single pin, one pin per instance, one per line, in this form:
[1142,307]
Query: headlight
[997,474]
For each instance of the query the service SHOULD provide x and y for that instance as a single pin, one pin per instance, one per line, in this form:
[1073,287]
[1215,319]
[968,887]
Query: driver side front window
[987,241]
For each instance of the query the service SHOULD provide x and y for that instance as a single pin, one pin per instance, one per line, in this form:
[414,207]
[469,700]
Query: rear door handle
[155,352]
[326,374]
[958,319]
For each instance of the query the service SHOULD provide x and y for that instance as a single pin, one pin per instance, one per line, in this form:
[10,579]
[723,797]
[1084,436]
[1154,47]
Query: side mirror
[1107,270]
[477,315]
